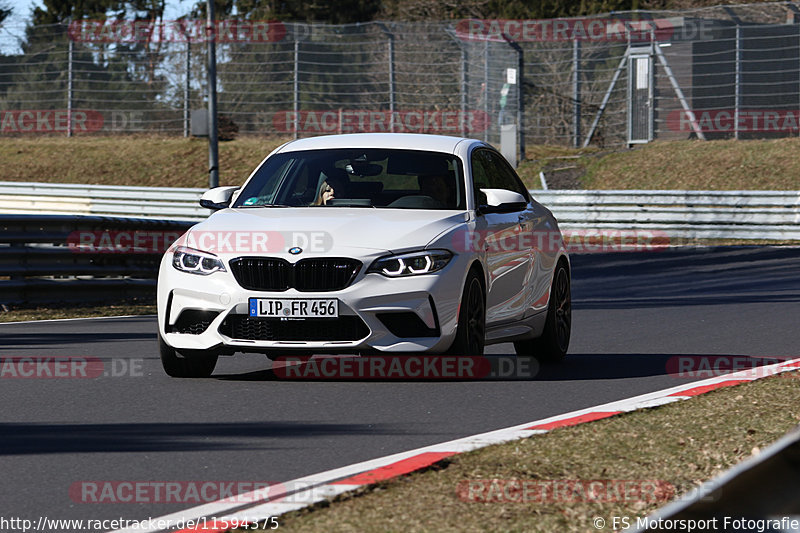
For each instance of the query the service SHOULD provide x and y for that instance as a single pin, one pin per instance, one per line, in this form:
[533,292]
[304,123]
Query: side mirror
[217,198]
[502,201]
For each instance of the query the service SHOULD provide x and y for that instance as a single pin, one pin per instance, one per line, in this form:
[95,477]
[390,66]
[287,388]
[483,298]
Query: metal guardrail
[110,200]
[36,259]
[762,487]
[42,258]
[763,215]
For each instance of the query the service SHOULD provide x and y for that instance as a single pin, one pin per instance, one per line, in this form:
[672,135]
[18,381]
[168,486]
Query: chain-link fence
[607,80]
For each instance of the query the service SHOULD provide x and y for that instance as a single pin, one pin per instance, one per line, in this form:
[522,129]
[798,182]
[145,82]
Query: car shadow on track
[686,277]
[682,367]
[12,340]
[36,438]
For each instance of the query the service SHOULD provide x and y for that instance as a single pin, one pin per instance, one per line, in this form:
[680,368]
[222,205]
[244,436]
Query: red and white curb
[305,491]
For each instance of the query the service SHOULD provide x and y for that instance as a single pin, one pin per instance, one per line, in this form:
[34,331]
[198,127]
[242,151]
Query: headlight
[411,264]
[196,262]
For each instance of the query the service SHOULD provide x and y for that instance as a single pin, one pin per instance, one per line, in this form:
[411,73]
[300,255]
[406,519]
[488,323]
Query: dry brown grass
[682,444]
[179,162]
[142,160]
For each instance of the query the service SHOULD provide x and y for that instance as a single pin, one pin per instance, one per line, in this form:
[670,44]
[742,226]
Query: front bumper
[381,304]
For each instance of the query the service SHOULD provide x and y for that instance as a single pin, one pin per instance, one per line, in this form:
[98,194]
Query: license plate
[294,308]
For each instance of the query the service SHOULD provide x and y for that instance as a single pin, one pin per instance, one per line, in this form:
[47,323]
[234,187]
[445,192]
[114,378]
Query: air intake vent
[344,328]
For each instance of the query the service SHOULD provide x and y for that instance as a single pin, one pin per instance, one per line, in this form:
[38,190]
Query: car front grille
[307,275]
[343,328]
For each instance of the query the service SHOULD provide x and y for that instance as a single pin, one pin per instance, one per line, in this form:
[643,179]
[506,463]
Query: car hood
[339,228]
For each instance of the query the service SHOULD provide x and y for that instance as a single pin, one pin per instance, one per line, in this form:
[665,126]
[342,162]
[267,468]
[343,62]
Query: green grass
[682,444]
[179,162]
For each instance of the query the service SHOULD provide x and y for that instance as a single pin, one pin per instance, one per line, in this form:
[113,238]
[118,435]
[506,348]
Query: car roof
[404,141]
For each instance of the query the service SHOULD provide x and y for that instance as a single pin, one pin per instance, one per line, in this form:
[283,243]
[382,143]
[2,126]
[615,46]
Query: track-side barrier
[36,261]
[756,215]
[759,494]
[41,258]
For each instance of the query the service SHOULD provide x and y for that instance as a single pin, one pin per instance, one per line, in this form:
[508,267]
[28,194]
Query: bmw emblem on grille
[296,250]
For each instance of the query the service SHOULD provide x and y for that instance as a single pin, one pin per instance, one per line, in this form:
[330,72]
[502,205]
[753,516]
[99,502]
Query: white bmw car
[364,244]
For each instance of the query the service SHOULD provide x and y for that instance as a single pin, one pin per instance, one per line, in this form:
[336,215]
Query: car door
[508,253]
[539,236]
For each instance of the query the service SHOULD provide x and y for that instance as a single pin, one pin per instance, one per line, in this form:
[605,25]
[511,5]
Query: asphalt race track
[632,312]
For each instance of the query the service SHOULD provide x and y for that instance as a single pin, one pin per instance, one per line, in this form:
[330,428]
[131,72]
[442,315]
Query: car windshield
[370,178]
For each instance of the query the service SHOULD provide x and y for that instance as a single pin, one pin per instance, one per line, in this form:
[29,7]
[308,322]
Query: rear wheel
[471,330]
[192,364]
[553,344]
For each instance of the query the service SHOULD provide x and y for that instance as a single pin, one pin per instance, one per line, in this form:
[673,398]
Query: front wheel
[471,330]
[553,344]
[194,365]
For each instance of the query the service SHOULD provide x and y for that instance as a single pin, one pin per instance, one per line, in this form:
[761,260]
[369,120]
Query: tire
[471,330]
[195,364]
[552,345]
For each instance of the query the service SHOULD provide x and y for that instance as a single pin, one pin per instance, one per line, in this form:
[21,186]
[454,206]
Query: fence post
[679,93]
[576,93]
[737,89]
[69,87]
[486,90]
[213,153]
[391,82]
[606,98]
[186,87]
[521,102]
[296,87]
[463,118]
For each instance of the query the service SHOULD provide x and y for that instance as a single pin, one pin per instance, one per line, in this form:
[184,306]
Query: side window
[504,176]
[481,170]
[490,170]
